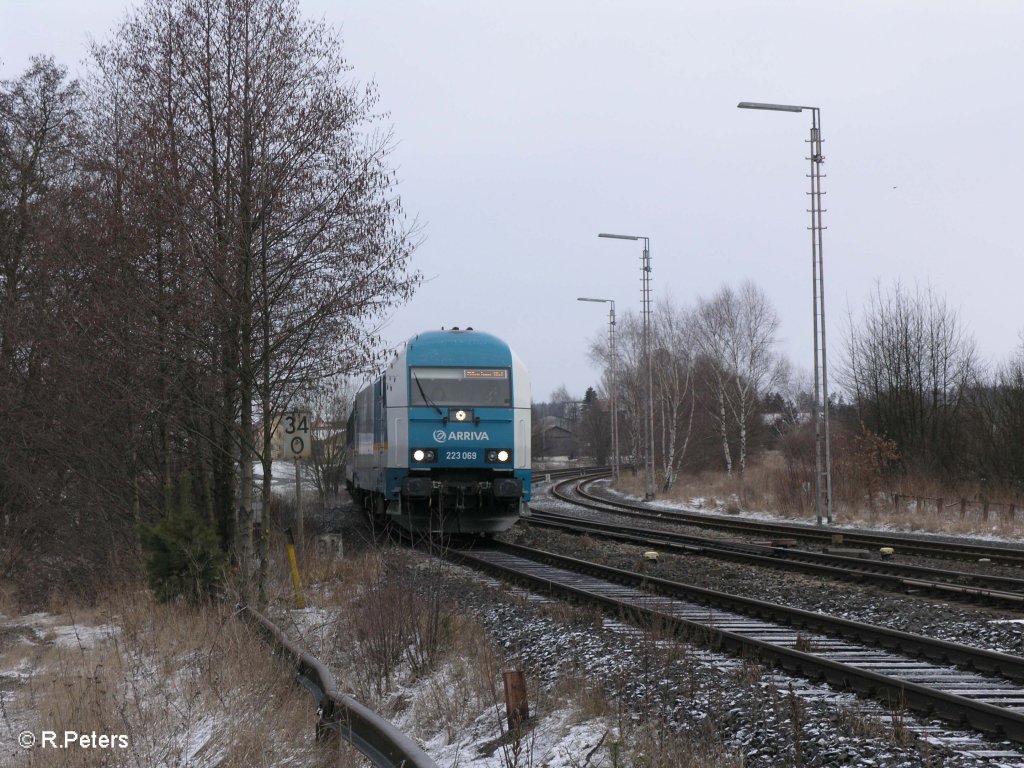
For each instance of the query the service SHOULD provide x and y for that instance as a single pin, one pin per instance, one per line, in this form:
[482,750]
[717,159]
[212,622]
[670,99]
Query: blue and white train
[441,441]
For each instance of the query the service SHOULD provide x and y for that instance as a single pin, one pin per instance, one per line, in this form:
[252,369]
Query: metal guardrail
[383,744]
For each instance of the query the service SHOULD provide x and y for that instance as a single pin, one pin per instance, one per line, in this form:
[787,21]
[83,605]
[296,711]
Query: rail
[949,548]
[382,744]
[952,585]
[917,677]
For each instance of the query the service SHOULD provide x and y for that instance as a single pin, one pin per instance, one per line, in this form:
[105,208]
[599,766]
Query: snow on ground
[700,505]
[556,739]
[182,687]
[74,636]
[24,642]
[562,735]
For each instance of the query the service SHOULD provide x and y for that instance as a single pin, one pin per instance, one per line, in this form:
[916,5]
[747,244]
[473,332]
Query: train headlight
[498,455]
[424,455]
[504,455]
[461,415]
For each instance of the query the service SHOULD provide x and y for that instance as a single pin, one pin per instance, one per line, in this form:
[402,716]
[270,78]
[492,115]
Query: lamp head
[774,107]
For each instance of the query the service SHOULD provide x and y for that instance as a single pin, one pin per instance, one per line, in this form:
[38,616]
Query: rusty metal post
[517,706]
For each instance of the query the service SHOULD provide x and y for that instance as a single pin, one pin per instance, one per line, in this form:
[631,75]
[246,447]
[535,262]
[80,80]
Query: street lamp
[822,461]
[612,383]
[645,264]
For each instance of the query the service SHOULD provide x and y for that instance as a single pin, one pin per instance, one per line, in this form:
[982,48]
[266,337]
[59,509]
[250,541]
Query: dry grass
[392,620]
[449,679]
[656,746]
[770,487]
[194,686]
[183,686]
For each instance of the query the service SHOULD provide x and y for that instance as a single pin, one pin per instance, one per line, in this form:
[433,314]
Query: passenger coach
[441,441]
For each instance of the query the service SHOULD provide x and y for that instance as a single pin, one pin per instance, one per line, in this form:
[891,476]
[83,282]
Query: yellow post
[295,569]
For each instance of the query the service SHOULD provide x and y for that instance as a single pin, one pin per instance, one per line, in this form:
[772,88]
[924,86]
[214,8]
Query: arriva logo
[440,436]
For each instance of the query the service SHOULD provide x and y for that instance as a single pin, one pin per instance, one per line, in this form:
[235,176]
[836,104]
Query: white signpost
[296,444]
[296,435]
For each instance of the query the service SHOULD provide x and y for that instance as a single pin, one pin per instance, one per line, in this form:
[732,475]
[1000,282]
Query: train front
[468,434]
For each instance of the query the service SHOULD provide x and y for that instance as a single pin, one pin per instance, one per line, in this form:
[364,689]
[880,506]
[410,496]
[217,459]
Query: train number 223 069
[449,455]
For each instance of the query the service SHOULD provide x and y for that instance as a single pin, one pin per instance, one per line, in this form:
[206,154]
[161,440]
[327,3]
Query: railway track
[956,683]
[580,495]
[956,586]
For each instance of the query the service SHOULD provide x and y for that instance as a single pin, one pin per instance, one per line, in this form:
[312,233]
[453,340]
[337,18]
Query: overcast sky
[524,129]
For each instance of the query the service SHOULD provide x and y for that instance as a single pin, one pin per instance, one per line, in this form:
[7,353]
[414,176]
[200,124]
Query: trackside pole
[299,521]
[300,603]
[516,704]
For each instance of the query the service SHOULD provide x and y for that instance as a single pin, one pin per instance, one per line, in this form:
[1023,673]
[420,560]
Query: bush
[182,551]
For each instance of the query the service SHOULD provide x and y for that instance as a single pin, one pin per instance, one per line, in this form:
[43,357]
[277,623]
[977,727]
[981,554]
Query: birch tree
[672,357]
[735,331]
[672,361]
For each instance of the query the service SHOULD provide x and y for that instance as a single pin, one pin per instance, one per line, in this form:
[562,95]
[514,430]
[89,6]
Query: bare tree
[998,422]
[672,356]
[46,310]
[330,401]
[275,207]
[672,359]
[712,325]
[631,381]
[735,332]
[908,367]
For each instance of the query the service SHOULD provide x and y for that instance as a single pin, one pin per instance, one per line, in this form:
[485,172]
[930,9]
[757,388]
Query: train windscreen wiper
[426,399]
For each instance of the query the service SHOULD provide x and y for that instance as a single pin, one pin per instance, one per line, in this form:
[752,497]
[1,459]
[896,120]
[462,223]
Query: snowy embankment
[143,685]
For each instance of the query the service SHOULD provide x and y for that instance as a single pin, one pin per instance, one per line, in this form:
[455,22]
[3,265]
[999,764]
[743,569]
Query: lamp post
[612,381]
[822,461]
[645,264]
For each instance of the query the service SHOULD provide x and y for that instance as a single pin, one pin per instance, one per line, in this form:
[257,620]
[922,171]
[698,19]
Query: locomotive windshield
[480,387]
